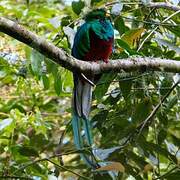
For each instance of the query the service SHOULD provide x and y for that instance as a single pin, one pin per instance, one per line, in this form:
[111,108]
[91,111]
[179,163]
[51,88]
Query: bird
[93,41]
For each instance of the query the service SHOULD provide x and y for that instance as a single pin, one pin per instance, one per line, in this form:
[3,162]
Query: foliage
[35,96]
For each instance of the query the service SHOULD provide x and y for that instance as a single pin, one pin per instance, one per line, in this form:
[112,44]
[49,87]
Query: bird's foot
[106,60]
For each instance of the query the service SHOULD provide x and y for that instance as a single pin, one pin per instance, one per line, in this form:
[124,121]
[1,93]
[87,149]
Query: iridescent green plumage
[96,22]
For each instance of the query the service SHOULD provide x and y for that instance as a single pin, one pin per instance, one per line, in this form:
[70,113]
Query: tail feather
[81,104]
[86,99]
[77,132]
[78,139]
[82,97]
[87,129]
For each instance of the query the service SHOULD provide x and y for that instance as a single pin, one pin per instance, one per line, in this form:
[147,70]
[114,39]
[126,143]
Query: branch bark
[164,5]
[65,60]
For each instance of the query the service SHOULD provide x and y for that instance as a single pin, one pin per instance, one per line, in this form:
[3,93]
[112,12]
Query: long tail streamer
[79,140]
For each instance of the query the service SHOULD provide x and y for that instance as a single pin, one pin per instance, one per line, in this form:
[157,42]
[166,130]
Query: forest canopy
[135,111]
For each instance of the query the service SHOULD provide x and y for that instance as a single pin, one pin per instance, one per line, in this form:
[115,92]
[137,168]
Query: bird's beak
[108,14]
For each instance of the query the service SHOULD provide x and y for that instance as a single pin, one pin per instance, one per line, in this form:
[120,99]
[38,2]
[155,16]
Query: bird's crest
[96,14]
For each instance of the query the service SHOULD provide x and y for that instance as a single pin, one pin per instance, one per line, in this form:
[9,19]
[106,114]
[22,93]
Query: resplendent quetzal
[93,41]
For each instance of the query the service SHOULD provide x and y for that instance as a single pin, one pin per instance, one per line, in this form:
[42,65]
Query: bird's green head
[96,14]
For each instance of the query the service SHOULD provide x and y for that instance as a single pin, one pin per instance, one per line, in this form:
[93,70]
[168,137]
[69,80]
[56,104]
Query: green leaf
[28,151]
[142,110]
[132,36]
[125,87]
[170,54]
[163,118]
[166,43]
[4,123]
[175,30]
[65,21]
[38,171]
[156,148]
[99,120]
[139,160]
[50,65]
[36,60]
[126,47]
[176,140]
[39,141]
[103,85]
[77,6]
[120,25]
[173,176]
[28,52]
[172,102]
[166,83]
[46,82]
[162,136]
[57,82]
[95,1]
[102,176]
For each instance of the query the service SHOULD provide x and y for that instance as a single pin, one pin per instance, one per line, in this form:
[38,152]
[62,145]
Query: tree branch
[164,5]
[65,60]
[59,166]
[151,4]
[148,121]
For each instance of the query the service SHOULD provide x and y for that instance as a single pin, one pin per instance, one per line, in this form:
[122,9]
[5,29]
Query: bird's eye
[97,17]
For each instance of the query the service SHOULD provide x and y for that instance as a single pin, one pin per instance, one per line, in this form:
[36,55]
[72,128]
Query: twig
[62,167]
[124,79]
[4,114]
[139,89]
[53,156]
[124,3]
[158,157]
[166,174]
[164,5]
[152,5]
[66,169]
[169,164]
[150,22]
[58,149]
[149,119]
[177,151]
[166,19]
